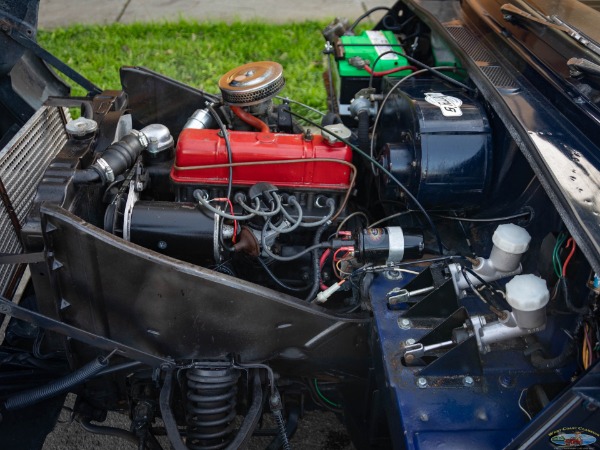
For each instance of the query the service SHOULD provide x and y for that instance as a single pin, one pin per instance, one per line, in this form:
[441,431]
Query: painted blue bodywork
[447,414]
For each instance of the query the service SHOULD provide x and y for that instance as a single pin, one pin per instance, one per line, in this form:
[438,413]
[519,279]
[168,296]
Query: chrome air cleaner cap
[252,83]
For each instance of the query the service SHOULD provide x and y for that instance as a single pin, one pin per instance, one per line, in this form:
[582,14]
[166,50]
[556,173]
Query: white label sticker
[381,44]
[450,106]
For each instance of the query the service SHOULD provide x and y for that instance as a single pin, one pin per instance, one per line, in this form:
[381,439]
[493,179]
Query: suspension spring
[210,407]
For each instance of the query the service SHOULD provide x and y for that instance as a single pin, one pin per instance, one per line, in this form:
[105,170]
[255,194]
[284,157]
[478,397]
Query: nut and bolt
[405,324]
[468,381]
[505,381]
[410,341]
[422,382]
[392,275]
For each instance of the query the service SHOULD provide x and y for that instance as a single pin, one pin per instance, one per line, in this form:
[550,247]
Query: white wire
[520,407]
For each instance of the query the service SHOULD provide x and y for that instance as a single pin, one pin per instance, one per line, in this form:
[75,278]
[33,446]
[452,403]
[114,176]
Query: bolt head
[422,382]
[468,381]
[404,324]
[410,341]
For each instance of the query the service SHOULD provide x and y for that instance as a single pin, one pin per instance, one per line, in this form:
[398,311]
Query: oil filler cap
[252,83]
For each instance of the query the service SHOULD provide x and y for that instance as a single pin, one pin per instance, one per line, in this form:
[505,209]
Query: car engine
[212,258]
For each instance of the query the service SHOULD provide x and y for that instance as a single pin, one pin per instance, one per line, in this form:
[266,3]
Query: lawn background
[194,53]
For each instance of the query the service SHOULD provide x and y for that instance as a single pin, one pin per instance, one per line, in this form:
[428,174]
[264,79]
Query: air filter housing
[252,83]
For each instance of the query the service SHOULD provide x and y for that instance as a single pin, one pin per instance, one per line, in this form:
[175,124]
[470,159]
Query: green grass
[194,53]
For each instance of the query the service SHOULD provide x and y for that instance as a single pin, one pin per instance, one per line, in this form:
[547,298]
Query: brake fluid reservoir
[528,295]
[510,242]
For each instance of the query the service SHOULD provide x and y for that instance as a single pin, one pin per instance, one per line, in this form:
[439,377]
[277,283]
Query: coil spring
[210,406]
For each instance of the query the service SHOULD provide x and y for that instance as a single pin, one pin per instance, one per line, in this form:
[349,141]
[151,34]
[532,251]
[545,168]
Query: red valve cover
[206,148]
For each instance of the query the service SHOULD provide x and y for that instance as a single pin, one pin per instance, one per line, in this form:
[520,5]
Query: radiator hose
[121,155]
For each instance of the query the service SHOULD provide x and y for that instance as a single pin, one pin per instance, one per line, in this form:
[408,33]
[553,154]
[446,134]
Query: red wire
[390,71]
[324,257]
[570,242]
[235,224]
[348,249]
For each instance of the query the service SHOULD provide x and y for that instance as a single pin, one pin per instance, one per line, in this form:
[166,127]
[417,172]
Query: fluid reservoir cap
[81,127]
[252,83]
[337,129]
[527,293]
[511,238]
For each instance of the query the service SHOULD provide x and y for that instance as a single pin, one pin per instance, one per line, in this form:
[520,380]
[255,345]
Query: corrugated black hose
[364,141]
[539,361]
[56,387]
[117,158]
[315,262]
[564,289]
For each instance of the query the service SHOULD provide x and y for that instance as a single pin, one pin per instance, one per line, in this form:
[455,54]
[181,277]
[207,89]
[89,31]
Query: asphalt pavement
[316,430]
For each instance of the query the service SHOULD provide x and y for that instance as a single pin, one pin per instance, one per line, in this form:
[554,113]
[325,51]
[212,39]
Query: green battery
[368,46]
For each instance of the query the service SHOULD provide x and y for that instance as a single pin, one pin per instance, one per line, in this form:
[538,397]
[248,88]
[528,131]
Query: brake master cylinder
[510,243]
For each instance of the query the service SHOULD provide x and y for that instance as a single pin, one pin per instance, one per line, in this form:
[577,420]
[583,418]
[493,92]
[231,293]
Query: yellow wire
[584,351]
[340,269]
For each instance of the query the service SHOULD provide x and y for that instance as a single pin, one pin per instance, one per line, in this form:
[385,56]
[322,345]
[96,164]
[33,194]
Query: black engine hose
[330,118]
[122,154]
[86,176]
[539,361]
[315,262]
[277,281]
[363,130]
[56,387]
[564,288]
[115,160]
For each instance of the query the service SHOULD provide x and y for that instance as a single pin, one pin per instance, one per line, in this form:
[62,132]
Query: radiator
[22,164]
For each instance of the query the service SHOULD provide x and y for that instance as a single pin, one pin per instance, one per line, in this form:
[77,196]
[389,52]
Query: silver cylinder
[200,120]
[530,319]
[505,261]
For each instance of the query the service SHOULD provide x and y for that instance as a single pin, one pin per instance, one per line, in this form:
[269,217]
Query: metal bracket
[439,303]
[18,312]
[22,258]
[27,42]
[460,360]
